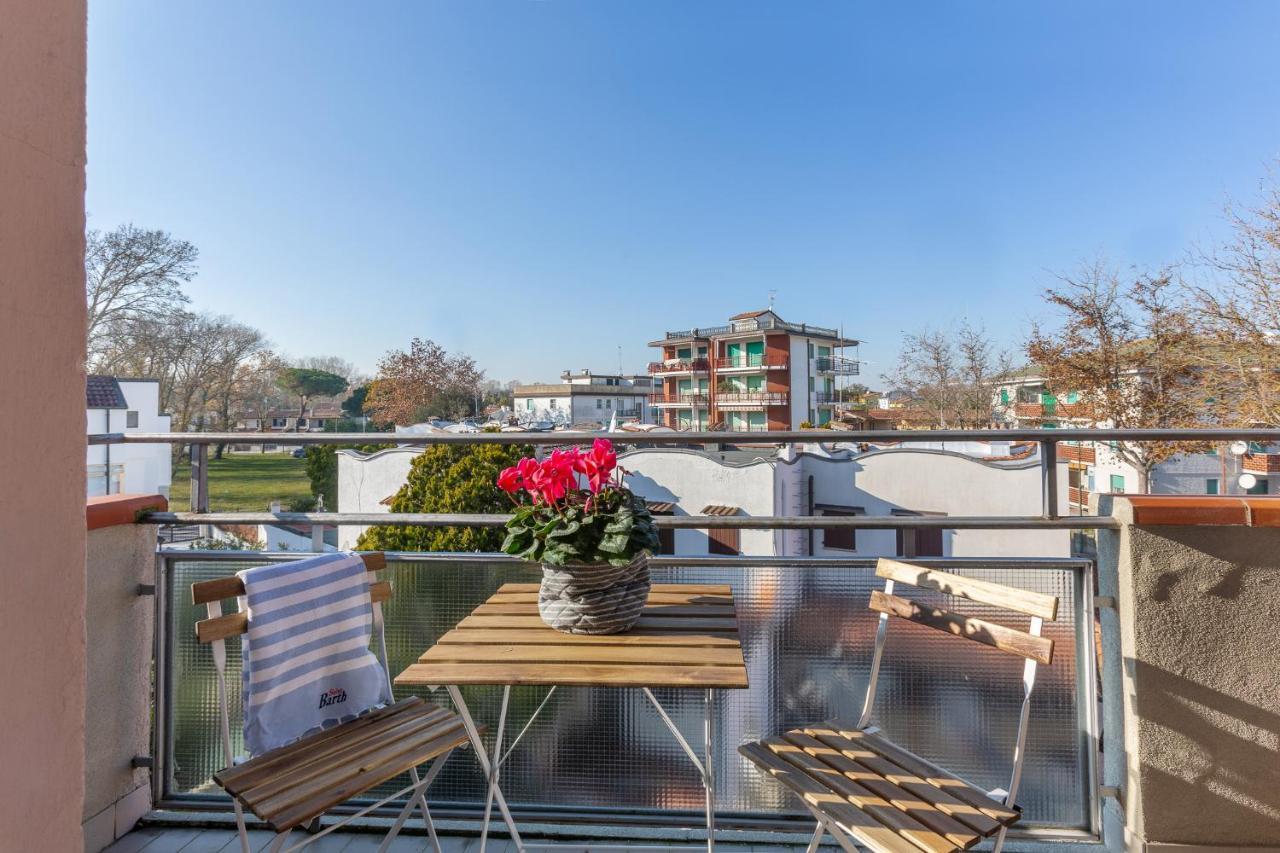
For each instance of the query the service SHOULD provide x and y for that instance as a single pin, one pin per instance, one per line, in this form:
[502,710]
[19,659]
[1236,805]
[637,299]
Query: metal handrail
[803,436]
[677,522]
[1047,439]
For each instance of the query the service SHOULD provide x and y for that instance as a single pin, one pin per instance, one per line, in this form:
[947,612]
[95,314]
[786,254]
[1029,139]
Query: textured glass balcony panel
[807,636]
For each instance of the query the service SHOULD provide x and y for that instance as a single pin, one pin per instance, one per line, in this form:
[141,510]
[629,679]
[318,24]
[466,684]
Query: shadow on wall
[1219,757]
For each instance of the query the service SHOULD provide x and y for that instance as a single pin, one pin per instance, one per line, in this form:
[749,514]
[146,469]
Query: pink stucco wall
[42,530]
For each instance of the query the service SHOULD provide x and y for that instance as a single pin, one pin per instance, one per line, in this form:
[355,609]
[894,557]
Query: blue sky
[539,183]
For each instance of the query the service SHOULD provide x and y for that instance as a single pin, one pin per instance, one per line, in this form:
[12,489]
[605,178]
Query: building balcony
[751,363]
[826,399]
[684,401]
[1261,463]
[678,365]
[835,364]
[153,742]
[1084,453]
[1046,411]
[751,399]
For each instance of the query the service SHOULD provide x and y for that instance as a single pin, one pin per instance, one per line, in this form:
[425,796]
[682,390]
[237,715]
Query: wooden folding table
[687,637]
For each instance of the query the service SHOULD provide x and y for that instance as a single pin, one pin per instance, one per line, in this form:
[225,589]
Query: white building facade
[585,397]
[114,405]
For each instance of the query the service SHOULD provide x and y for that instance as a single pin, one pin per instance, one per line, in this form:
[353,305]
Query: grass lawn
[245,482]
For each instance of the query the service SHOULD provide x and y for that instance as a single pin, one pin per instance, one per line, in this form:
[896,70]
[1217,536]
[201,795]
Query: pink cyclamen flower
[509,480]
[598,463]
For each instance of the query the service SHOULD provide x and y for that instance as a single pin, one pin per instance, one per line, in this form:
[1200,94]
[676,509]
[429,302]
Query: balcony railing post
[199,478]
[1049,477]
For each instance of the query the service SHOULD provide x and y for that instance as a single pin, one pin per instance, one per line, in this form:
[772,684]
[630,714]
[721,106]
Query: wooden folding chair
[295,784]
[865,789]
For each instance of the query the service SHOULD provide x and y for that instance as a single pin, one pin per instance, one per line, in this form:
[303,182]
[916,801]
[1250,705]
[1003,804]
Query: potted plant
[593,542]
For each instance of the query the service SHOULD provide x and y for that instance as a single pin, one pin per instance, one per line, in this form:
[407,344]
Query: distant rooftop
[750,322]
[103,392]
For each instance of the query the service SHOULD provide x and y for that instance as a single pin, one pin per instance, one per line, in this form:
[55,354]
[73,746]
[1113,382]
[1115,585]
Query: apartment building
[757,373]
[585,397]
[1023,399]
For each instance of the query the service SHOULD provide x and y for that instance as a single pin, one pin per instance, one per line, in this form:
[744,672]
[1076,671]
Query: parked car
[299,452]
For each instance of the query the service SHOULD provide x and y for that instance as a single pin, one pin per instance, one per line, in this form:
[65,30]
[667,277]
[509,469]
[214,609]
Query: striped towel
[307,662]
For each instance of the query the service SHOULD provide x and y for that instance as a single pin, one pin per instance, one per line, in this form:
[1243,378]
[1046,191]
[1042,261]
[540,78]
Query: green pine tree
[449,478]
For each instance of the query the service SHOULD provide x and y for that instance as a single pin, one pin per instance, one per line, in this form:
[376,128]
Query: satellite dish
[1247,481]
[1238,448]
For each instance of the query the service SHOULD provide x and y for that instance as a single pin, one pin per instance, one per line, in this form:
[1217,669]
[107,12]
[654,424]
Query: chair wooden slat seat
[863,788]
[925,806]
[291,786]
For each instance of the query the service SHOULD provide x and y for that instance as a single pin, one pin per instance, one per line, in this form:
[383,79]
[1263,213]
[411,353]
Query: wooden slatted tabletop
[687,636]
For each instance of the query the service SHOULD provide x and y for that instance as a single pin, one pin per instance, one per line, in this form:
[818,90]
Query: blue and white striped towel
[306,653]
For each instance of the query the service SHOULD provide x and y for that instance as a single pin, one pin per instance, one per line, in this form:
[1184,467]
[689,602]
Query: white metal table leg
[708,769]
[495,765]
[482,759]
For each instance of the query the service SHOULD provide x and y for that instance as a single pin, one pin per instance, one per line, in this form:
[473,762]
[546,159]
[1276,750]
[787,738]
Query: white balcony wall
[364,481]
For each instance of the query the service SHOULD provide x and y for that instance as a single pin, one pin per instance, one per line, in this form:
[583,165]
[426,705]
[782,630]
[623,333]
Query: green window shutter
[1004,396]
[755,383]
[684,353]
[1211,486]
[1260,488]
[1117,484]
[755,353]
[1073,397]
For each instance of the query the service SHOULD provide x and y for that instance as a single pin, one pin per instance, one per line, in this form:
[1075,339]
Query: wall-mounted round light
[1247,481]
[1238,448]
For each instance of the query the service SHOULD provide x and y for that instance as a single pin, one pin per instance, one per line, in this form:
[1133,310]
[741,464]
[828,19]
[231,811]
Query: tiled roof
[660,507]
[746,315]
[103,392]
[719,509]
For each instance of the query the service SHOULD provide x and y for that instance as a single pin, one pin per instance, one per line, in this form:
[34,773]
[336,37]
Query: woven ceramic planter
[594,599]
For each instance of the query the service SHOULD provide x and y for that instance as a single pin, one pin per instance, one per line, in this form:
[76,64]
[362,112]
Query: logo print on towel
[333,697]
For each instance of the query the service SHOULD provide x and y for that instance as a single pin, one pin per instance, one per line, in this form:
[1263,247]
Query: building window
[1004,396]
[553,403]
[279,422]
[1259,488]
[1211,486]
[723,540]
[131,420]
[840,538]
[608,404]
[1117,484]
[918,541]
[599,403]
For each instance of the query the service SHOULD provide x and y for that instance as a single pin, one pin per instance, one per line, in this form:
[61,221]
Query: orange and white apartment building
[757,373]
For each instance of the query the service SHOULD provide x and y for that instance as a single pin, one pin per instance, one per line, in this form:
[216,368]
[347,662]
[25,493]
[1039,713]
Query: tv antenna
[772,295]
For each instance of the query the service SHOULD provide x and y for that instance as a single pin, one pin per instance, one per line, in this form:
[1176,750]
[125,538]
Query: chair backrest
[1029,645]
[220,626]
